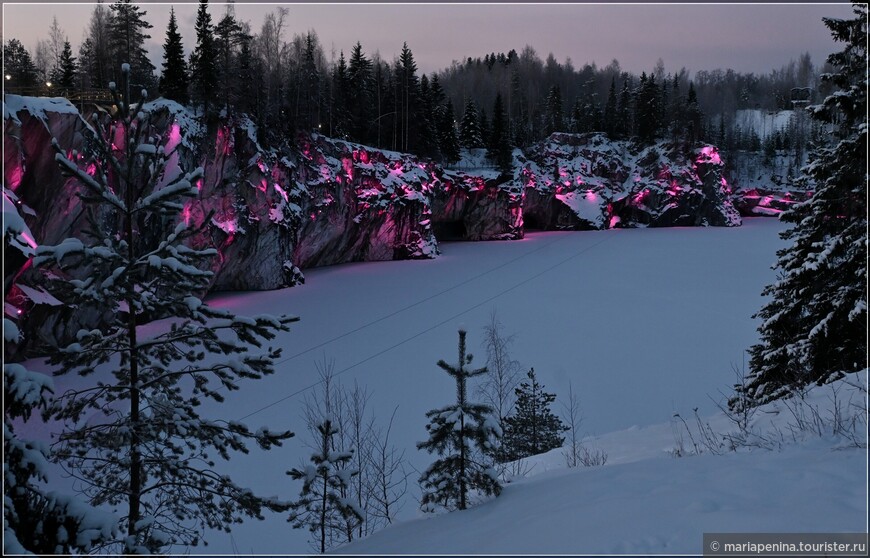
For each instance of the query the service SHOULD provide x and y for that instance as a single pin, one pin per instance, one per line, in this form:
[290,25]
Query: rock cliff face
[586,181]
[271,212]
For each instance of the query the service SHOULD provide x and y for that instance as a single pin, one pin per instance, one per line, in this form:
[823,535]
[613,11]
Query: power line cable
[427,330]
[419,302]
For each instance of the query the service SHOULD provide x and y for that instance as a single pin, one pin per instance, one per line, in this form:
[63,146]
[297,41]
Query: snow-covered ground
[655,503]
[644,323]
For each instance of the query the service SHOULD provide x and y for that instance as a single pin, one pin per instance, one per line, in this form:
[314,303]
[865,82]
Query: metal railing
[73,95]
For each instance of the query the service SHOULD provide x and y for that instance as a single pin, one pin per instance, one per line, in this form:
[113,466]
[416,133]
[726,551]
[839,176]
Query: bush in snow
[324,506]
[459,434]
[814,327]
[132,437]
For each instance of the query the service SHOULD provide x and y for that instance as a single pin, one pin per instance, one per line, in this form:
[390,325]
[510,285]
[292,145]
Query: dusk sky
[747,38]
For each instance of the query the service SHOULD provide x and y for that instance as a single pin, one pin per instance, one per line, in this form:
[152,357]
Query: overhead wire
[433,327]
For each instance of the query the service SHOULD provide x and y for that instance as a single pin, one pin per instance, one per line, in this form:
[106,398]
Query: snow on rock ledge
[587,181]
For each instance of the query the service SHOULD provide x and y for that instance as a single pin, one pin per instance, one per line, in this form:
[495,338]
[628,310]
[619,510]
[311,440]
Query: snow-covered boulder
[587,181]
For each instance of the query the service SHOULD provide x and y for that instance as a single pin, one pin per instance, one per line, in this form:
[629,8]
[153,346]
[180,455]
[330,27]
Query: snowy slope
[645,323]
[659,505]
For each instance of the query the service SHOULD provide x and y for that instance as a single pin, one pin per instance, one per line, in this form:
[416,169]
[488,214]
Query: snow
[36,106]
[14,227]
[645,323]
[659,505]
[38,295]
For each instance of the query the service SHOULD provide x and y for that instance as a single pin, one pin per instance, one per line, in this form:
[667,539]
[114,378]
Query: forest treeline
[287,82]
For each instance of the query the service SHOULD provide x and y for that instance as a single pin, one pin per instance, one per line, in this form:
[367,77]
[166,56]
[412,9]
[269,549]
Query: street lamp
[8,77]
[48,84]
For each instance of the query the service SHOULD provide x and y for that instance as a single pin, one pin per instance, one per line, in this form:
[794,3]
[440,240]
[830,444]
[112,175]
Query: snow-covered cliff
[587,181]
[271,212]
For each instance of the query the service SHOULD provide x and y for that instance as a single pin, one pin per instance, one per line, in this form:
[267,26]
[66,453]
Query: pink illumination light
[709,154]
[347,165]
[29,240]
[15,177]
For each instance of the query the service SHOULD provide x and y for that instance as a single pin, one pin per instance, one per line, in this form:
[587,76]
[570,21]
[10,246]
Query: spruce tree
[647,111]
[460,433]
[533,428]
[321,507]
[228,35]
[409,102]
[469,128]
[624,123]
[309,83]
[144,447]
[18,65]
[340,120]
[500,151]
[126,32]
[814,325]
[554,118]
[203,60]
[173,80]
[360,95]
[67,71]
[693,117]
[610,118]
[447,137]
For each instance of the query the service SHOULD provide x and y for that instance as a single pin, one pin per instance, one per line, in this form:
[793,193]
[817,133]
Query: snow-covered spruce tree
[470,135]
[459,433]
[814,326]
[132,437]
[321,507]
[533,428]
[36,520]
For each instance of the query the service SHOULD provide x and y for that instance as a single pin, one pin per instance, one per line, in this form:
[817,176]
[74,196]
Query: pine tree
[500,151]
[203,60]
[173,80]
[126,32]
[469,128]
[321,507]
[459,433]
[35,520]
[533,428]
[624,124]
[144,447]
[814,325]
